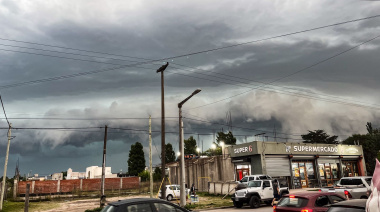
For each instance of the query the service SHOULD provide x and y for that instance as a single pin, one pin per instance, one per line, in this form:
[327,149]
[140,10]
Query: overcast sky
[87,64]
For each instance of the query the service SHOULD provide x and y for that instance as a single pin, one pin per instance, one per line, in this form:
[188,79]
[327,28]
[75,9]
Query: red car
[308,201]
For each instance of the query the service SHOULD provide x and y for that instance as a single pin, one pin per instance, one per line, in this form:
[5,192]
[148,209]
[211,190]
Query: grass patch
[33,206]
[207,200]
[94,210]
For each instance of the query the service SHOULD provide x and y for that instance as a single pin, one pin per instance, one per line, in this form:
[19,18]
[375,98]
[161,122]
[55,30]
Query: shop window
[350,168]
[304,174]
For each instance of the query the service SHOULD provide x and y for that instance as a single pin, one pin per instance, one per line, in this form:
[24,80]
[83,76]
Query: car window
[254,184]
[251,178]
[263,177]
[350,181]
[266,184]
[139,208]
[244,179]
[344,209]
[368,180]
[293,202]
[322,201]
[335,199]
[177,188]
[162,207]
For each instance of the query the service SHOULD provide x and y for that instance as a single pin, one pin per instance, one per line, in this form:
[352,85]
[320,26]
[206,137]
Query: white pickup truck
[257,191]
[352,187]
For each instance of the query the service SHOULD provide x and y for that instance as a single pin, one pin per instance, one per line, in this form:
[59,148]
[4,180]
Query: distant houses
[92,172]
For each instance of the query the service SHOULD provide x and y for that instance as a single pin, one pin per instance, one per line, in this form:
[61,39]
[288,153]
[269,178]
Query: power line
[248,82]
[213,49]
[303,69]
[167,58]
[2,105]
[281,92]
[84,119]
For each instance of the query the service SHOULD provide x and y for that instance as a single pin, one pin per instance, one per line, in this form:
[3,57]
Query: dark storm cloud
[158,30]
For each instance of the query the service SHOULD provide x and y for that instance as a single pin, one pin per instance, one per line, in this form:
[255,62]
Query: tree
[169,153]
[370,144]
[145,176]
[157,174]
[64,173]
[319,136]
[136,160]
[216,151]
[190,146]
[228,138]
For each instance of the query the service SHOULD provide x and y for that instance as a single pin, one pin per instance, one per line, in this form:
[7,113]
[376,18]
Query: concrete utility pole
[182,149]
[5,168]
[163,186]
[103,197]
[150,159]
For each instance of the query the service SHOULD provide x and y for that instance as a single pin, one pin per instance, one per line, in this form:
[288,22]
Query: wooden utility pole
[5,168]
[163,188]
[103,197]
[150,159]
[26,208]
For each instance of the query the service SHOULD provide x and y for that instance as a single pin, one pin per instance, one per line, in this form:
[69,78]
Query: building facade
[93,172]
[303,165]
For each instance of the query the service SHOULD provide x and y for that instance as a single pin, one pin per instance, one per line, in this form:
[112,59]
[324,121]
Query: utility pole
[5,168]
[150,159]
[103,197]
[163,186]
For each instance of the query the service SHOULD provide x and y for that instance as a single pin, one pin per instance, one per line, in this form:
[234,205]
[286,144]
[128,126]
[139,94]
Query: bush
[93,210]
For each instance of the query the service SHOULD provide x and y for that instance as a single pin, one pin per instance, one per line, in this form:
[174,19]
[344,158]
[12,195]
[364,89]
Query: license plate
[236,199]
[331,190]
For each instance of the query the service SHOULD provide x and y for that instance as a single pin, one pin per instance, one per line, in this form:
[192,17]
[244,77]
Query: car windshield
[254,184]
[108,208]
[293,202]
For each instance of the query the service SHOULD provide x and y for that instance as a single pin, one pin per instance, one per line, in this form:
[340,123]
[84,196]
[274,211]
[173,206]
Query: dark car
[356,205]
[307,202]
[142,205]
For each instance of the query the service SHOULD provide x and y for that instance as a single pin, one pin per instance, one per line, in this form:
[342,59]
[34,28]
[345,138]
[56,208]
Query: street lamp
[198,150]
[161,70]
[213,146]
[181,147]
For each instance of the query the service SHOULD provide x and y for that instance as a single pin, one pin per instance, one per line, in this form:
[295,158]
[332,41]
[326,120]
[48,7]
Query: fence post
[26,208]
[15,188]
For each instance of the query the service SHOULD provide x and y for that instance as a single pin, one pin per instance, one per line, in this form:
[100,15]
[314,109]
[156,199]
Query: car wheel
[169,197]
[238,204]
[254,202]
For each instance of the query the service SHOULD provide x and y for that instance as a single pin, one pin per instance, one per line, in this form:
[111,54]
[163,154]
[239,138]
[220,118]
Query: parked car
[142,204]
[172,192]
[352,187]
[355,205]
[257,191]
[248,178]
[310,201]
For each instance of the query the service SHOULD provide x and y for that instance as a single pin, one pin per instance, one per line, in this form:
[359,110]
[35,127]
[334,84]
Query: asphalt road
[244,209]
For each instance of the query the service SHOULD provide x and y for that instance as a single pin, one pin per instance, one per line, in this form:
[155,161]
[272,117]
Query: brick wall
[67,186]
